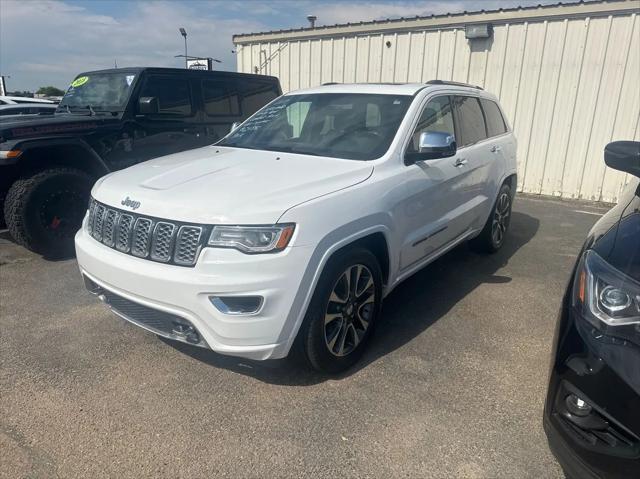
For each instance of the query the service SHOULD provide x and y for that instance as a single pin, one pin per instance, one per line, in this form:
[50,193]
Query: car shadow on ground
[408,311]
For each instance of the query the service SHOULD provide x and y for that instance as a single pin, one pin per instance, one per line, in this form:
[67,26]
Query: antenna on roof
[312,20]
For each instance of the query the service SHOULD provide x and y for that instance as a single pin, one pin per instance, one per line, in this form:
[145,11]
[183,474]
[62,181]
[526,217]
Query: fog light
[577,406]
[237,304]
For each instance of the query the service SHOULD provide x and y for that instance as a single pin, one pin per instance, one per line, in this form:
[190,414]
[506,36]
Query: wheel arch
[71,153]
[374,237]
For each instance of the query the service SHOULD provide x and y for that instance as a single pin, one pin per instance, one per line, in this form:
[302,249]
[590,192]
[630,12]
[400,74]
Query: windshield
[353,126]
[101,92]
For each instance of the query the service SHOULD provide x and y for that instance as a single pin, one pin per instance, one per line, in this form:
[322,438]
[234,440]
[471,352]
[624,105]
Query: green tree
[50,91]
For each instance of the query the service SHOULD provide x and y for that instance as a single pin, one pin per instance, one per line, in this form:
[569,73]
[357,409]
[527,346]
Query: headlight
[603,294]
[252,239]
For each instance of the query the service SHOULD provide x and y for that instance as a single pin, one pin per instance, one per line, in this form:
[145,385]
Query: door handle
[460,162]
[495,149]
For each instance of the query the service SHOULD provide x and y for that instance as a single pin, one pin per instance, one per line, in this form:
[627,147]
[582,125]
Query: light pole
[183,32]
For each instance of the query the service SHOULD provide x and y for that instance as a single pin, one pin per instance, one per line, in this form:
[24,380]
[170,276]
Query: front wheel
[343,311]
[494,232]
[44,211]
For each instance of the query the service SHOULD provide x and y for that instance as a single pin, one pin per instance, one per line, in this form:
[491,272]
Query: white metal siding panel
[627,119]
[534,161]
[592,66]
[567,85]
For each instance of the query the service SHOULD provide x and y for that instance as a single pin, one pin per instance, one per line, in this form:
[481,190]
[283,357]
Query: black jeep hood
[57,124]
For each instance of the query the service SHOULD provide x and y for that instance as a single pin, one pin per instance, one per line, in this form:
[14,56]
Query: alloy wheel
[349,310]
[501,218]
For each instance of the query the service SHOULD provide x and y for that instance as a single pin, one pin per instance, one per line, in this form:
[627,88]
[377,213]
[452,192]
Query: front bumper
[185,292]
[605,441]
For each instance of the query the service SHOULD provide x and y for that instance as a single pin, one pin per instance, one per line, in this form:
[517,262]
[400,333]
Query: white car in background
[292,229]
[16,100]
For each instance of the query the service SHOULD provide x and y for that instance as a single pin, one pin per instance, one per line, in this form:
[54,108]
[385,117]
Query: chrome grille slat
[109,228]
[162,241]
[149,238]
[98,222]
[123,240]
[92,209]
[141,237]
[188,245]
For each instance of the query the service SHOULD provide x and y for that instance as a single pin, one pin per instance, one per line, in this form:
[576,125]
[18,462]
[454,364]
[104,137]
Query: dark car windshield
[100,91]
[354,126]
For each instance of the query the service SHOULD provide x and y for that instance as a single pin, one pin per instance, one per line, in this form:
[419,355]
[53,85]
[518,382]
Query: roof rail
[330,83]
[453,83]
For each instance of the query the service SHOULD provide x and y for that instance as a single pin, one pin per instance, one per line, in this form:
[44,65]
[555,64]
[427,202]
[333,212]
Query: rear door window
[495,121]
[472,127]
[173,94]
[220,98]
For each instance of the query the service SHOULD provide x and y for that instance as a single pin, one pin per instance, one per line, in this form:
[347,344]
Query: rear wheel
[494,232]
[44,211]
[343,311]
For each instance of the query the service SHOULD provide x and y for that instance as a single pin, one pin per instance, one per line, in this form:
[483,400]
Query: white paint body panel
[333,202]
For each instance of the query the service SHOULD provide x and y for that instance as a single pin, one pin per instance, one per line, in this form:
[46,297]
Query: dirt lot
[452,386]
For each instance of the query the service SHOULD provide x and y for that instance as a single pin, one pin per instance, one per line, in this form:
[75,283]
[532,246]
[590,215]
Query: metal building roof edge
[519,13]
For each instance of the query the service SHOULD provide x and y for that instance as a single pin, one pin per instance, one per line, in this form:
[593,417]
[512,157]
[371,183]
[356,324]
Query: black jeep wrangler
[108,120]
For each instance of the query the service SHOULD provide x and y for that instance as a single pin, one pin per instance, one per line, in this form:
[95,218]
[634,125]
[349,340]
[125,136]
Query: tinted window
[256,94]
[172,93]
[495,121]
[470,121]
[220,98]
[354,126]
[101,91]
[436,116]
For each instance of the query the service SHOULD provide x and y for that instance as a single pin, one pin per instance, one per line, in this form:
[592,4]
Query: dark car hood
[616,236]
[57,124]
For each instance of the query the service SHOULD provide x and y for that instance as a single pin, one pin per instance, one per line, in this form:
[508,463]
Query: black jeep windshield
[99,92]
[354,126]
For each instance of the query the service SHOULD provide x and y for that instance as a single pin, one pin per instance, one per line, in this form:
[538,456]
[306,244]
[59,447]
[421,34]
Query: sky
[48,42]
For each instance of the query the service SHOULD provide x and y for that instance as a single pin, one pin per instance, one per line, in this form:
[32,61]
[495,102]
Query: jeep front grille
[146,237]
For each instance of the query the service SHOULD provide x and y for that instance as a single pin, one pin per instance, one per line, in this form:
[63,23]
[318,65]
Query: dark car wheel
[494,232]
[44,211]
[343,311]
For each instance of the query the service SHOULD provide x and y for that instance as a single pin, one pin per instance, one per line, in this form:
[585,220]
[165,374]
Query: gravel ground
[452,386]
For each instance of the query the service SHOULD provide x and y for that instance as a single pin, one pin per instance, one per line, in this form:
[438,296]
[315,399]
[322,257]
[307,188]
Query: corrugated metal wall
[568,86]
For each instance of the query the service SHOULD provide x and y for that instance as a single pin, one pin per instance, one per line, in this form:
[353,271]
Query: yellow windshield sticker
[79,81]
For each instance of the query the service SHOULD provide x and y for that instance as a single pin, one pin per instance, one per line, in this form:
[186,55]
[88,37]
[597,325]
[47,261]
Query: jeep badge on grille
[134,205]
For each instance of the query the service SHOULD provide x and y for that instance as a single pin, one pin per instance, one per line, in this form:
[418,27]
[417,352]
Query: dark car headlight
[605,296]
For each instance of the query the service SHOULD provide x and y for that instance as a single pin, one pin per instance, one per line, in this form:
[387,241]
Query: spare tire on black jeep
[44,211]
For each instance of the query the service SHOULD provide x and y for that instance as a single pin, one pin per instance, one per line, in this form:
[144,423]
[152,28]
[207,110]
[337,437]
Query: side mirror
[433,145]
[235,125]
[623,156]
[148,105]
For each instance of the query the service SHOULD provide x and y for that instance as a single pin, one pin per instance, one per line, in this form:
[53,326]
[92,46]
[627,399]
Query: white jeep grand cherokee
[294,227]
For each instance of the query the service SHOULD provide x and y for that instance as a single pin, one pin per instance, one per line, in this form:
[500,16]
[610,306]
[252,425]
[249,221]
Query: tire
[337,345]
[44,211]
[3,224]
[492,236]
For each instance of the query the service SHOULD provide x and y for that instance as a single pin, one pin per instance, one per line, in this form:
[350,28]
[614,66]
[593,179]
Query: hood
[220,185]
[617,234]
[56,124]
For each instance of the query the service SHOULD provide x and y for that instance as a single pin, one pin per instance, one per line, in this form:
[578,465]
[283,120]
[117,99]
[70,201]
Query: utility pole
[183,32]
